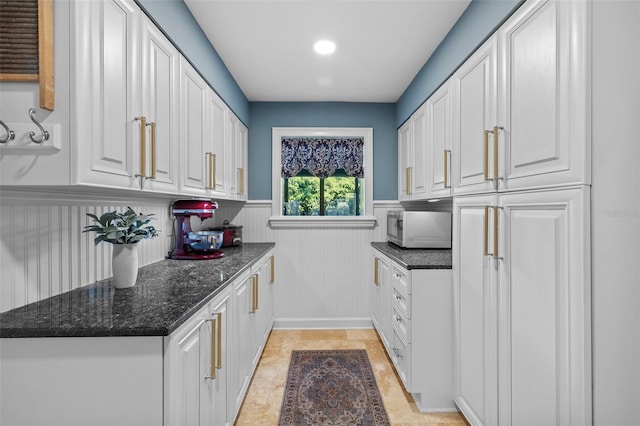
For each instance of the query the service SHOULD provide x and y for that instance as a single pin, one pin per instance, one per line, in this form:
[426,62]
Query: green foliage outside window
[342,196]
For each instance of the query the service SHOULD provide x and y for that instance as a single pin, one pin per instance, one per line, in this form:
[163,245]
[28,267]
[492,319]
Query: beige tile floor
[264,397]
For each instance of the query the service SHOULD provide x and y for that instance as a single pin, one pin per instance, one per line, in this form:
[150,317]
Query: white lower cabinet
[417,306]
[522,308]
[253,317]
[381,298]
[197,366]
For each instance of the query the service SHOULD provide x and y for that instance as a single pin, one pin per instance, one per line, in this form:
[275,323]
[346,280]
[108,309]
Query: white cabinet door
[238,145]
[544,308]
[544,106]
[242,298]
[218,156]
[475,385]
[216,404]
[106,94]
[195,177]
[381,297]
[419,142]
[474,115]
[439,142]
[160,92]
[405,162]
[187,375]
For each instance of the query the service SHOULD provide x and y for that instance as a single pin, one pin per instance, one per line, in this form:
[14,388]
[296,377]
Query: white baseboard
[322,323]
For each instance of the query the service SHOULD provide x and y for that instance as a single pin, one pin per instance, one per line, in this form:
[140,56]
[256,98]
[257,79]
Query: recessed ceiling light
[324,47]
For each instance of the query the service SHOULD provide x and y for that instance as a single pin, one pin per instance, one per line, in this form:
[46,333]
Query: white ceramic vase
[125,265]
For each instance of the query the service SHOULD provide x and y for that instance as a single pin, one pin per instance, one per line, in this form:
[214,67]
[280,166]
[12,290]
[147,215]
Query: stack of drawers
[401,324]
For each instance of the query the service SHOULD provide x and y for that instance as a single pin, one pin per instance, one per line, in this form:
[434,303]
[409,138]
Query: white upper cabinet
[404,161]
[543,93]
[160,102]
[238,140]
[106,96]
[217,157]
[474,114]
[439,142]
[412,148]
[195,170]
[523,101]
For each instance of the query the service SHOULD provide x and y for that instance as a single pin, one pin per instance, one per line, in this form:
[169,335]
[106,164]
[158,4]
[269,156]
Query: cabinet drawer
[401,301]
[401,325]
[401,356]
[401,279]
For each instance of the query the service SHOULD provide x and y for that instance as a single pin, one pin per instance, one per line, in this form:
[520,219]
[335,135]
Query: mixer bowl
[205,241]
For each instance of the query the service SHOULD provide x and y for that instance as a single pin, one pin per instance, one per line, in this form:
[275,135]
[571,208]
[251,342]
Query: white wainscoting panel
[43,251]
[323,275]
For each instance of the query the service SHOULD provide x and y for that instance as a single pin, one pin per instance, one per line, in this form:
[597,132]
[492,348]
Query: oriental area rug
[331,387]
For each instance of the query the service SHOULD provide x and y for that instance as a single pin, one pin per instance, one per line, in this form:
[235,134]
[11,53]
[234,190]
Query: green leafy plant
[121,228]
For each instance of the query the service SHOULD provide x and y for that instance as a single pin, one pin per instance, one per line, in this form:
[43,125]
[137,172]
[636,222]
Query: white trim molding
[322,221]
[277,220]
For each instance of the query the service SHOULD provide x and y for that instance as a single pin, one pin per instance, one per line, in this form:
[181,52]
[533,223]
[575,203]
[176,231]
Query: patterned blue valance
[322,156]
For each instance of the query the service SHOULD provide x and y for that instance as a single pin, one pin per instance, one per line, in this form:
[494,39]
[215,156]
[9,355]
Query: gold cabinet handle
[496,211]
[408,179]
[240,181]
[219,362]
[375,271]
[485,233]
[143,146]
[211,160]
[212,371]
[253,294]
[153,149]
[257,292]
[495,152]
[272,278]
[447,153]
[486,155]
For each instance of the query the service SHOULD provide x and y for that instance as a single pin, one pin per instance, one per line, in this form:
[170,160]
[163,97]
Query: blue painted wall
[180,26]
[476,23]
[380,116]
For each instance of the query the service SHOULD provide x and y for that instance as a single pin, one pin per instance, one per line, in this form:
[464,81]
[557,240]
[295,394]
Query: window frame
[277,220]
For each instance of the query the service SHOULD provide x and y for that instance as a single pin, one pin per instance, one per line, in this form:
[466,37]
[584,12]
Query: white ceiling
[381,45]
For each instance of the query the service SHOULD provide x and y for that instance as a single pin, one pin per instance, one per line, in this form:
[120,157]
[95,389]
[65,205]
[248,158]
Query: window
[322,176]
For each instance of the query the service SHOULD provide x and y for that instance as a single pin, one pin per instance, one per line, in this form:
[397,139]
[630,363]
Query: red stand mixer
[195,245]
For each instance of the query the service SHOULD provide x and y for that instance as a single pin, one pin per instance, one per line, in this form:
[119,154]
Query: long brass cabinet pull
[240,180]
[211,178]
[219,362]
[375,271]
[485,241]
[447,153]
[153,149]
[496,211]
[486,155]
[272,278]
[495,152]
[143,146]
[408,179]
[253,294]
[257,292]
[213,168]
[212,371]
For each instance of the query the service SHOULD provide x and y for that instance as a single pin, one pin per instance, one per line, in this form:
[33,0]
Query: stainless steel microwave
[419,229]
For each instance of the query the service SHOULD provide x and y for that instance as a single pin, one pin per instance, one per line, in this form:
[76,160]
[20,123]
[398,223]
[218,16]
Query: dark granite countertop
[416,258]
[166,294]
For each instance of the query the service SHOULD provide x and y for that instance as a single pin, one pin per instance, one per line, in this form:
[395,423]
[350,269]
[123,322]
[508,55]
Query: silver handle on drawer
[397,353]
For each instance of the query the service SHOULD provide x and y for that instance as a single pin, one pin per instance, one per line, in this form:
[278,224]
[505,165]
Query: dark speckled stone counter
[166,294]
[416,258]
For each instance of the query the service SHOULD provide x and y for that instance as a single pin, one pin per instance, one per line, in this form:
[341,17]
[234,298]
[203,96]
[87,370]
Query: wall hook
[44,134]
[10,133]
